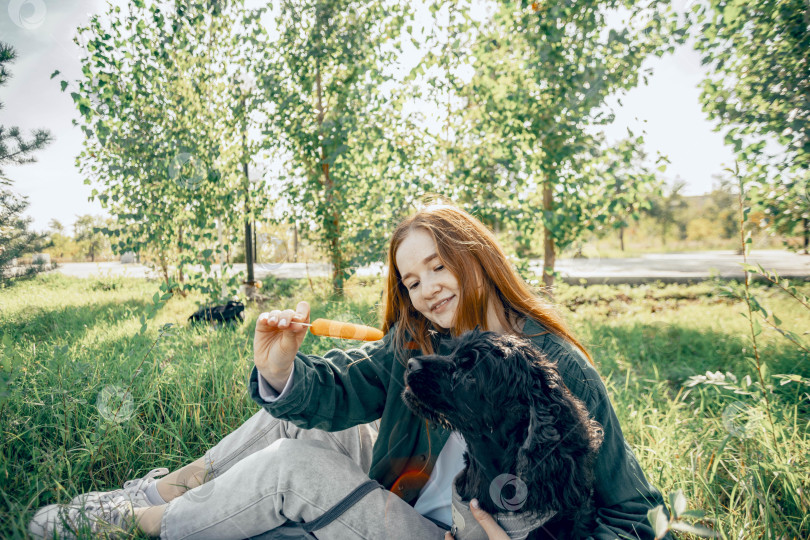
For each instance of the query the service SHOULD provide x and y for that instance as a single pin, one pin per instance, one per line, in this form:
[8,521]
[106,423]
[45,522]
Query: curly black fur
[517,417]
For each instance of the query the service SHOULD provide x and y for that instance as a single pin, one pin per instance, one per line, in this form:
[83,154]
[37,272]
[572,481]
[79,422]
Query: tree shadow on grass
[677,352]
[71,321]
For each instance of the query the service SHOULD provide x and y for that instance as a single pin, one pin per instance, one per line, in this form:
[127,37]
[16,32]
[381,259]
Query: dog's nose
[414,365]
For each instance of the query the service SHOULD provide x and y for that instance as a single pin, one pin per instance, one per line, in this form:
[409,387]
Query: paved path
[667,267]
[678,267]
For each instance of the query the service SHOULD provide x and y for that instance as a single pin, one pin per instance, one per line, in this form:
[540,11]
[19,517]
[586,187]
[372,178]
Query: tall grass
[83,406]
[679,375]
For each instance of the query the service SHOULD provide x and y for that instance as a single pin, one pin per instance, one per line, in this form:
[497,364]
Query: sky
[42,31]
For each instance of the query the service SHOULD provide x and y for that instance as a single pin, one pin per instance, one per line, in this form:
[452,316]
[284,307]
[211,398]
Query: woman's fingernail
[282,322]
[474,503]
[271,319]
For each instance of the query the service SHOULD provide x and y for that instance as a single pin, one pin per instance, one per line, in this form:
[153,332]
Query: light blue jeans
[269,471]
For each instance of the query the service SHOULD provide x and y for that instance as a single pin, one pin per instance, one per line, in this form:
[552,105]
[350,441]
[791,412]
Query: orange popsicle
[343,330]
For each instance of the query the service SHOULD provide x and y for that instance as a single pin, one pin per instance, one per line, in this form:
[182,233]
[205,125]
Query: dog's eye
[461,376]
[468,361]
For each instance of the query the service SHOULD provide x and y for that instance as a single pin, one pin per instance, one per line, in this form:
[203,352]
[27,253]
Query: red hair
[470,251]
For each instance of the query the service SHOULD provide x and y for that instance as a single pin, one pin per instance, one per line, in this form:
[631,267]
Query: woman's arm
[335,391]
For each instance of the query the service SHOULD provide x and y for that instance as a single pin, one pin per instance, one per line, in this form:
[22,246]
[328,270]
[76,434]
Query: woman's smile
[441,305]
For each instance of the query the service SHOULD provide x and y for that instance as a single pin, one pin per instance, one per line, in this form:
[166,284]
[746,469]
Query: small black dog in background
[517,417]
[232,312]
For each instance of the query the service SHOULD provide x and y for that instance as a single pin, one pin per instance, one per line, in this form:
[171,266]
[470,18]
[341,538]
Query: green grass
[65,340]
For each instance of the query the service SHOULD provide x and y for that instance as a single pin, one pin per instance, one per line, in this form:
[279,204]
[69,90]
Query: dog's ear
[540,433]
[549,399]
[561,443]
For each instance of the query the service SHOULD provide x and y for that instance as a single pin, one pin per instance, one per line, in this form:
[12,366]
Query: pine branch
[20,150]
[7,55]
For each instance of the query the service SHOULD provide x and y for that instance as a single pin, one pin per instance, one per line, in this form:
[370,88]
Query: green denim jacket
[345,388]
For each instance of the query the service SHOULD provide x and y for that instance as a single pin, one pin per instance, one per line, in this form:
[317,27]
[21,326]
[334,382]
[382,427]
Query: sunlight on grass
[70,346]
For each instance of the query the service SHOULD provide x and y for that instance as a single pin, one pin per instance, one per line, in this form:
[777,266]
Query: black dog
[517,418]
[231,312]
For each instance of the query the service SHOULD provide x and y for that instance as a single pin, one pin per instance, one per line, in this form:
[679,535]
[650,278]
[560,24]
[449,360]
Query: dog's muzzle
[517,525]
[414,365]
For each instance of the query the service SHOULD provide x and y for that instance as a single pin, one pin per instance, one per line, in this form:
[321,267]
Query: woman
[447,275]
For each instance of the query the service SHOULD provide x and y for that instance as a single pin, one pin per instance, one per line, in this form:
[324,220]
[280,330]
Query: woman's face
[433,289]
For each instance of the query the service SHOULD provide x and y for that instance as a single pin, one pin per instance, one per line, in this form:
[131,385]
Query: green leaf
[658,520]
[697,530]
[693,514]
[55,73]
[677,502]
[731,13]
[763,368]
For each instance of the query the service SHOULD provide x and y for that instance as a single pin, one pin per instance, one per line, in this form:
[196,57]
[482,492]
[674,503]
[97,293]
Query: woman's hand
[276,342]
[487,522]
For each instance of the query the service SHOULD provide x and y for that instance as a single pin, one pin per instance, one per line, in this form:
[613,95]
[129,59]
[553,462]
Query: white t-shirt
[435,499]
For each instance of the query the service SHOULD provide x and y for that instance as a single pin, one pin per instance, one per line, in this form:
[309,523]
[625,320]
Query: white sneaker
[111,518]
[134,491]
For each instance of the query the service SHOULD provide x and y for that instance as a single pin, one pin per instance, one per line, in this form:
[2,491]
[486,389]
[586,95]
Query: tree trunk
[333,215]
[248,228]
[248,247]
[295,242]
[165,268]
[621,238]
[223,292]
[549,254]
[180,250]
[806,224]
